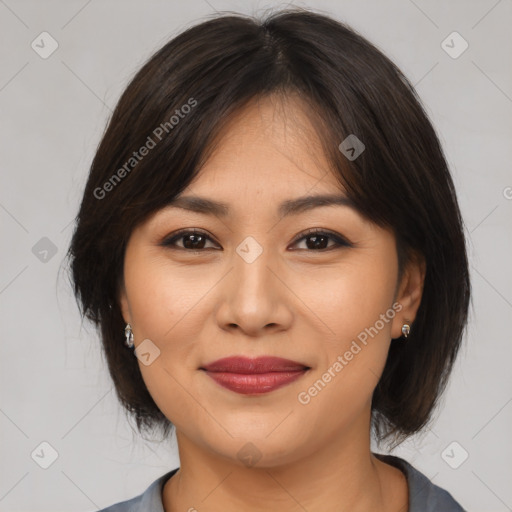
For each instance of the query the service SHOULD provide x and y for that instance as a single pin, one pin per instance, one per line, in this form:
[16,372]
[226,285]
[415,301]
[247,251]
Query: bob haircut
[164,127]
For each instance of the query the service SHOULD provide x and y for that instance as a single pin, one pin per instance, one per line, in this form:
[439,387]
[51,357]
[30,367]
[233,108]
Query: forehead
[267,148]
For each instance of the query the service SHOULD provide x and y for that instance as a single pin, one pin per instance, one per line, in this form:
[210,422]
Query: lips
[254,376]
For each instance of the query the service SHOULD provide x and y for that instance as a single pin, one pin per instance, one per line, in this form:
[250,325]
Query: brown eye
[319,240]
[191,240]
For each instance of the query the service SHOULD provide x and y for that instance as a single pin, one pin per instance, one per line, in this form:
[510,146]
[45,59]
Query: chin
[249,447]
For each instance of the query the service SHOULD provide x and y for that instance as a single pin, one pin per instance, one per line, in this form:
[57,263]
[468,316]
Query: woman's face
[254,284]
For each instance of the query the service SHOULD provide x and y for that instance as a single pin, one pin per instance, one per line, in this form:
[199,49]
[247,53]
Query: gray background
[54,384]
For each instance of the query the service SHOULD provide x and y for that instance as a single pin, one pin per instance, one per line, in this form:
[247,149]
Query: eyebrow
[286,208]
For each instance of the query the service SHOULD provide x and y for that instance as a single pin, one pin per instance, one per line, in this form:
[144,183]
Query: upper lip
[264,364]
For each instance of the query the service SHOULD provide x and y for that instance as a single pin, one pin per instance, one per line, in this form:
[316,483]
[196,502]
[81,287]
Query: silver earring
[406,329]
[129,336]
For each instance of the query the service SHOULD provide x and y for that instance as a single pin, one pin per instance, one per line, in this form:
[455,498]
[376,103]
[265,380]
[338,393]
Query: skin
[293,301]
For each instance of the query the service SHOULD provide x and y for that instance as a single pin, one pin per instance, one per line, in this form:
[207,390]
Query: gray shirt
[424,496]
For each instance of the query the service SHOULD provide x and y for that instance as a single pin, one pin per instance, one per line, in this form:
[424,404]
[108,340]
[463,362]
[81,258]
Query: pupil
[190,240]
[317,241]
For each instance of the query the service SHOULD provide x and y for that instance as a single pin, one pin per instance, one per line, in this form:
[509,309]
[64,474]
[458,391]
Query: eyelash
[339,241]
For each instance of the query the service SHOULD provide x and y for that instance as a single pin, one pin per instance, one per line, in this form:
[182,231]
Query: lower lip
[255,383]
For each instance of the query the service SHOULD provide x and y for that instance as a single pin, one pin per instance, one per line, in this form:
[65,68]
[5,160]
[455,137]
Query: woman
[270,225]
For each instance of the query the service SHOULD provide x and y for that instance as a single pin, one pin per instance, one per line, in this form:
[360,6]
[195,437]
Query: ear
[123,303]
[410,291]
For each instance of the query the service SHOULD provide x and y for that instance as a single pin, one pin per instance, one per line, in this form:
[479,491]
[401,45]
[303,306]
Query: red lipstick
[254,376]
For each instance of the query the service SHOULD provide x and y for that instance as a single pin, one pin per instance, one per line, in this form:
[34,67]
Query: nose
[254,297]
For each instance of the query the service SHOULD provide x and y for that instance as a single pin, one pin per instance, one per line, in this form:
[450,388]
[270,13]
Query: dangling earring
[129,336]
[406,329]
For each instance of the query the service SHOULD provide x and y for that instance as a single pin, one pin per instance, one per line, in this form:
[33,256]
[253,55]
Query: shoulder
[424,496]
[150,499]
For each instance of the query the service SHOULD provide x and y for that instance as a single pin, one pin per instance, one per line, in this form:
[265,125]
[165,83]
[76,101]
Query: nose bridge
[252,301]
[251,273]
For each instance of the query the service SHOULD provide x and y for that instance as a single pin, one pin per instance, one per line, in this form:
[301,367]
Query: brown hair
[401,181]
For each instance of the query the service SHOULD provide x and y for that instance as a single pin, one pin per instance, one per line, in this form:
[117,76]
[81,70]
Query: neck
[344,475]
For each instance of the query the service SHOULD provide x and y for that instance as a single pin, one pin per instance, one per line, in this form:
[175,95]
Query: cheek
[162,304]
[161,297]
[354,304]
[349,298]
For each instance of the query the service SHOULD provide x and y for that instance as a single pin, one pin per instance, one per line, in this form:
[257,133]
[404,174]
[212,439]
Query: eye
[193,239]
[315,240]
